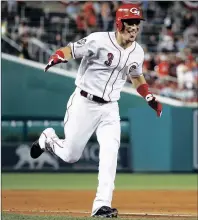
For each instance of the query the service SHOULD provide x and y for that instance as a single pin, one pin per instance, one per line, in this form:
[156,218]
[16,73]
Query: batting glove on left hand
[57,58]
[154,104]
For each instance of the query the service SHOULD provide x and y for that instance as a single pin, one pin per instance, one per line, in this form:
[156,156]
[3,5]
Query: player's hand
[56,58]
[154,104]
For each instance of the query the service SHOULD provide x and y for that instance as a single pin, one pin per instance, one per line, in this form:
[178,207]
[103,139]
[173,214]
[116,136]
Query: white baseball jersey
[102,72]
[105,64]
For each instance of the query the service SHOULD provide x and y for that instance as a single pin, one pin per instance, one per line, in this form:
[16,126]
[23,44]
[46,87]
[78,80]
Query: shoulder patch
[82,41]
[133,67]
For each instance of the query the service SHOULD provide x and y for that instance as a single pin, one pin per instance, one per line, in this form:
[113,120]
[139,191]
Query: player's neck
[124,44]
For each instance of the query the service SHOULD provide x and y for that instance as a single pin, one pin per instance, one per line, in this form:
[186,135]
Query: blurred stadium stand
[169,37]
[20,130]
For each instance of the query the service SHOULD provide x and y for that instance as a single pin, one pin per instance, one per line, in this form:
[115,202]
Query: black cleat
[106,212]
[36,151]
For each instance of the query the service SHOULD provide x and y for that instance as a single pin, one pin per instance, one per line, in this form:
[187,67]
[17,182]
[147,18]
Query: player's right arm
[83,47]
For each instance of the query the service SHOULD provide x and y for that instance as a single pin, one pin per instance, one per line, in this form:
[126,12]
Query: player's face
[131,30]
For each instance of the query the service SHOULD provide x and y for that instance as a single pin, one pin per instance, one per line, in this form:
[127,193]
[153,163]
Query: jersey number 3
[110,58]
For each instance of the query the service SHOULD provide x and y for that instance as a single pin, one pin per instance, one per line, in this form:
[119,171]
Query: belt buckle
[90,96]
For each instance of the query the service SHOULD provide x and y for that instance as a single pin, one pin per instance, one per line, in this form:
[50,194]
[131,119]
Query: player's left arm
[142,88]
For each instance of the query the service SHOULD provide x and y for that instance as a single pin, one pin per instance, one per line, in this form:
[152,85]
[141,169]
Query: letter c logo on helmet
[135,11]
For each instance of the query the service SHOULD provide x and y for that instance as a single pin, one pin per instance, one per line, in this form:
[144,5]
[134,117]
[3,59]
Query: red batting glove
[154,104]
[57,58]
[143,90]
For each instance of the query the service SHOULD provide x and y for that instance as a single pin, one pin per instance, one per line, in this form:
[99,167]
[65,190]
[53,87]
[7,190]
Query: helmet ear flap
[119,25]
[122,25]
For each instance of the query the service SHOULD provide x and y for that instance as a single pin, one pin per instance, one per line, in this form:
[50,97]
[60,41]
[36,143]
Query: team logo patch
[135,11]
[82,41]
[133,67]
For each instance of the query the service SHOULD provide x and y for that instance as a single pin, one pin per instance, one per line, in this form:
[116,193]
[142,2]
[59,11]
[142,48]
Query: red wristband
[143,90]
[60,53]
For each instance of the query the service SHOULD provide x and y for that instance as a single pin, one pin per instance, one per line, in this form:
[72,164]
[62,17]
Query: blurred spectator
[168,22]
[12,7]
[189,80]
[90,17]
[4,27]
[163,66]
[173,65]
[166,44]
[105,16]
[59,42]
[147,63]
[81,24]
[24,53]
[191,36]
[180,44]
[97,8]
[71,9]
[181,70]
[150,13]
[190,61]
[23,28]
[165,4]
[187,20]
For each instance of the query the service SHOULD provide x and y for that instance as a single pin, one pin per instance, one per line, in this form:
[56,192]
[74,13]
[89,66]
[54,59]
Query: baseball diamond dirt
[77,203]
[137,196]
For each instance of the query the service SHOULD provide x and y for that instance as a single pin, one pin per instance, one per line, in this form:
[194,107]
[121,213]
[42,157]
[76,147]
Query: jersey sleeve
[136,68]
[83,47]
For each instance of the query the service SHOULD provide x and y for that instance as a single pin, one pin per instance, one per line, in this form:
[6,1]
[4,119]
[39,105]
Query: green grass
[6,216]
[89,181]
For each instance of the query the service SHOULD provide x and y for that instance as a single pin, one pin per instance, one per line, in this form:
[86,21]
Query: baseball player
[107,59]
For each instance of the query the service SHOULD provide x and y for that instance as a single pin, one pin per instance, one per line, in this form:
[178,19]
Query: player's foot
[36,150]
[41,145]
[106,212]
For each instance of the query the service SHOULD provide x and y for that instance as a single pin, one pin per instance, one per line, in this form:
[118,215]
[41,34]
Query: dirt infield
[79,203]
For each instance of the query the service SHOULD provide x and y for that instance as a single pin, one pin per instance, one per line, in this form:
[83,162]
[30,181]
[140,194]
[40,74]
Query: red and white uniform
[105,64]
[102,72]
[93,106]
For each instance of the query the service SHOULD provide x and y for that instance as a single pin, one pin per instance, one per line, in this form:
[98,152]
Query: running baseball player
[107,59]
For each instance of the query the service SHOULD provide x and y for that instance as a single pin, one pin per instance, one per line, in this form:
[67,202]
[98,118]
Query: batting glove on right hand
[154,104]
[57,58]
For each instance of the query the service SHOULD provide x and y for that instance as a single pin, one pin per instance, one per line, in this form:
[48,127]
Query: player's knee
[71,158]
[72,152]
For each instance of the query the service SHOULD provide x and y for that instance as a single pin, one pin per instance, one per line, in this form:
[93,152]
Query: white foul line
[121,214]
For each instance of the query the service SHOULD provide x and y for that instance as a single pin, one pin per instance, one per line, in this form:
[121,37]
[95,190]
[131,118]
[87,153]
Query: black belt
[93,97]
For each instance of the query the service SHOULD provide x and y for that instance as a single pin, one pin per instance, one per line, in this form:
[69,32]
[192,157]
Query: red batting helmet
[128,11]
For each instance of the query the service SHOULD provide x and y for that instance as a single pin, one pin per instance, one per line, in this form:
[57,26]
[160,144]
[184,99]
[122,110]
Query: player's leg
[108,135]
[79,124]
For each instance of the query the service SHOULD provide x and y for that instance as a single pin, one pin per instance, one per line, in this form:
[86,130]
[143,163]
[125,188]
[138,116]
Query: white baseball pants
[82,118]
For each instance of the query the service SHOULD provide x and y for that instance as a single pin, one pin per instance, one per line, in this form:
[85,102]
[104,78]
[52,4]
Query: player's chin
[131,39]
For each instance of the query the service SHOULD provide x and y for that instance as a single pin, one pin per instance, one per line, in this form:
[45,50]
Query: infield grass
[76,181]
[6,216]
